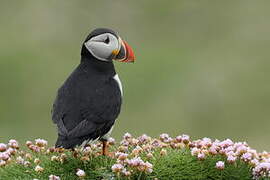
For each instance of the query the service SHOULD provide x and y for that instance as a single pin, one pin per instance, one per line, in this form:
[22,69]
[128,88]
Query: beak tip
[130,57]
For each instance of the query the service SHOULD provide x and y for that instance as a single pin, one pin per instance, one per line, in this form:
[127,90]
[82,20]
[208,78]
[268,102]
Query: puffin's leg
[105,151]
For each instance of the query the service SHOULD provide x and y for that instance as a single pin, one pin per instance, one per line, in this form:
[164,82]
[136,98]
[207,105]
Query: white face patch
[102,46]
[117,79]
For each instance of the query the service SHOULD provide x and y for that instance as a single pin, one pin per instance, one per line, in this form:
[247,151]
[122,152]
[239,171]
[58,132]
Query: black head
[106,45]
[100,31]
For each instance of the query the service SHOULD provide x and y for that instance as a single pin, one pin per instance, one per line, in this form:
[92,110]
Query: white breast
[116,77]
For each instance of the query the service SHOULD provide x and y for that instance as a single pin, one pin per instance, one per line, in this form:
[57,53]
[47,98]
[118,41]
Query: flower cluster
[233,151]
[53,177]
[201,149]
[137,155]
[128,158]
[125,166]
[80,173]
[7,151]
[220,165]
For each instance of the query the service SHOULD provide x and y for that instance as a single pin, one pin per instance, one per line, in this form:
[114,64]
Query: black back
[87,104]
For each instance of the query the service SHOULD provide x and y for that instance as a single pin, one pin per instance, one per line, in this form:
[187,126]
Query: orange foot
[105,150]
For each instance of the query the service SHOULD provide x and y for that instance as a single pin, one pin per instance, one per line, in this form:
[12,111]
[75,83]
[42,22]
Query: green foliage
[96,168]
[182,165]
[177,164]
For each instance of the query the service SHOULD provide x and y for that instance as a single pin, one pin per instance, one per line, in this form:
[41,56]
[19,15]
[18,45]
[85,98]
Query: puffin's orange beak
[130,57]
[125,54]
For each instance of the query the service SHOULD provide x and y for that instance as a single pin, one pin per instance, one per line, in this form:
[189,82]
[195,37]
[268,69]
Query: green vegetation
[178,164]
[181,165]
[96,168]
[141,158]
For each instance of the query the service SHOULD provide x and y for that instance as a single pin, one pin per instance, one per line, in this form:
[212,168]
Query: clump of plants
[140,157]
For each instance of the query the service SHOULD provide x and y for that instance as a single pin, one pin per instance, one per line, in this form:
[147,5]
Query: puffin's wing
[82,129]
[86,113]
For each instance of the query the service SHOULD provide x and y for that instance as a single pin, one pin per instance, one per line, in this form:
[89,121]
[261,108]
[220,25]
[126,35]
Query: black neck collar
[98,65]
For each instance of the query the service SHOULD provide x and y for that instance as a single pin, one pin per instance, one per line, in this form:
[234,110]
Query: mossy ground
[140,158]
[177,164]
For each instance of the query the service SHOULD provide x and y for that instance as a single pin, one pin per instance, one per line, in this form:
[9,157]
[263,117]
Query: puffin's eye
[107,40]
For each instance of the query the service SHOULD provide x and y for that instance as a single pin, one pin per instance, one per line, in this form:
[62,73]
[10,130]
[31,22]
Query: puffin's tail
[66,143]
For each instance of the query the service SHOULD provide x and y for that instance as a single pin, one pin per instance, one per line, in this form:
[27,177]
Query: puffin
[89,101]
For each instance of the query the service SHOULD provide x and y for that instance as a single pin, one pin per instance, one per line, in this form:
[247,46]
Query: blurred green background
[202,66]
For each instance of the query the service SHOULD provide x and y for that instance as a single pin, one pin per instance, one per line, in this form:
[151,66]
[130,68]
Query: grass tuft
[141,158]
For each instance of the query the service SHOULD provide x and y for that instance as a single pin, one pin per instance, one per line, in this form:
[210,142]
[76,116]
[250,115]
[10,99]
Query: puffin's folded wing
[62,130]
[84,128]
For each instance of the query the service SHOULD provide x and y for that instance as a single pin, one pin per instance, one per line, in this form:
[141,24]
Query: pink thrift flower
[229,153]
[134,141]
[201,156]
[222,151]
[136,150]
[36,161]
[41,142]
[87,150]
[2,163]
[206,142]
[241,149]
[137,161]
[20,160]
[185,138]
[231,159]
[149,170]
[28,143]
[111,141]
[127,136]
[13,143]
[34,148]
[26,163]
[213,150]
[126,173]
[150,155]
[80,173]
[262,169]
[246,156]
[53,177]
[254,162]
[11,151]
[144,138]
[226,143]
[148,165]
[3,147]
[163,152]
[147,147]
[124,143]
[121,156]
[165,137]
[178,139]
[229,148]
[39,168]
[195,151]
[4,156]
[117,167]
[156,143]
[220,165]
